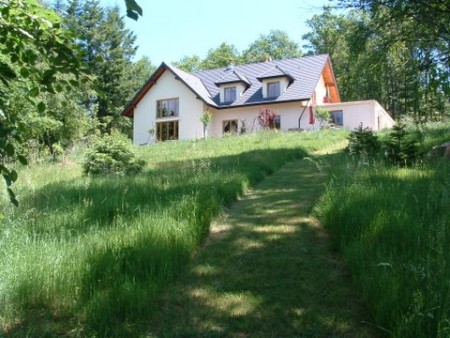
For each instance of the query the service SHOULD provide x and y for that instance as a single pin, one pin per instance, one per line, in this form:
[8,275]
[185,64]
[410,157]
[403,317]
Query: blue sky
[171,29]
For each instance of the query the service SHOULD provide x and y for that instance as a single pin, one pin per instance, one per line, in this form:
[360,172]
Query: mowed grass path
[268,269]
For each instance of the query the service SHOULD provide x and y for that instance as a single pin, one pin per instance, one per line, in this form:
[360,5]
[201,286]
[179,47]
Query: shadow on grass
[121,283]
[267,270]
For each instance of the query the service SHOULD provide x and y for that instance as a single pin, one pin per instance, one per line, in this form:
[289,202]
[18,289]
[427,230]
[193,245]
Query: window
[273,89]
[230,127]
[337,117]
[167,108]
[277,122]
[167,130]
[229,94]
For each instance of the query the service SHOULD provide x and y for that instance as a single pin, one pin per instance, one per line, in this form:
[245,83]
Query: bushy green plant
[112,154]
[363,143]
[402,145]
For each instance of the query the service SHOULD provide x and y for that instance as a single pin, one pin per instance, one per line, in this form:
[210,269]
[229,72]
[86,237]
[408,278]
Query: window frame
[167,130]
[160,111]
[227,89]
[272,83]
[230,131]
[337,116]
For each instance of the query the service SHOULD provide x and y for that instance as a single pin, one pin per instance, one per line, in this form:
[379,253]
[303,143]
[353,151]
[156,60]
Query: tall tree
[108,49]
[276,45]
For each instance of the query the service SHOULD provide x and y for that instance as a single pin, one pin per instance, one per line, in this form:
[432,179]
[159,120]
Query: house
[170,104]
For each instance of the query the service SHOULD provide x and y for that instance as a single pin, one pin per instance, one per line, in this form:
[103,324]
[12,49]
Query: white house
[172,101]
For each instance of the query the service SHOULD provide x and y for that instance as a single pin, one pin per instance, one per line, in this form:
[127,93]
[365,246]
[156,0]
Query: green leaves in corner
[133,9]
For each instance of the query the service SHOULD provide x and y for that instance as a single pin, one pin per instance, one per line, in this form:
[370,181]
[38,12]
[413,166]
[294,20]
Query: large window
[166,131]
[167,108]
[337,117]
[229,94]
[273,89]
[230,127]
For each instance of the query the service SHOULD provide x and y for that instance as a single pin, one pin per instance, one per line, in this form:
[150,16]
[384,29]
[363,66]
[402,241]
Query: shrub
[112,154]
[363,143]
[402,146]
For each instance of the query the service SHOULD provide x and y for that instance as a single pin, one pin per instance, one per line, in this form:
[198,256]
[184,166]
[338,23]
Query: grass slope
[89,257]
[267,270]
[392,227]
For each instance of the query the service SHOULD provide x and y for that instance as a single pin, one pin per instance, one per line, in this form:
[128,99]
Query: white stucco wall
[320,91]
[289,113]
[190,109]
[369,113]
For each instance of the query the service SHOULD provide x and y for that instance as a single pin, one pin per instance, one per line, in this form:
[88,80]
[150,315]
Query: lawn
[89,256]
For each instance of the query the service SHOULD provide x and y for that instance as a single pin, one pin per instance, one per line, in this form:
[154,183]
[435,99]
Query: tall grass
[393,227]
[94,253]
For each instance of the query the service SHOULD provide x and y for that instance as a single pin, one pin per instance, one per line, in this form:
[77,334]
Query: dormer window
[229,94]
[273,89]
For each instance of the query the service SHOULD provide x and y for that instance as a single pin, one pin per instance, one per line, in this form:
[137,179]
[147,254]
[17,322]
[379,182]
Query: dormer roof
[275,72]
[233,77]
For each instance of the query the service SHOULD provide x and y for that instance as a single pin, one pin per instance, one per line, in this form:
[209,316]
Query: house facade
[170,104]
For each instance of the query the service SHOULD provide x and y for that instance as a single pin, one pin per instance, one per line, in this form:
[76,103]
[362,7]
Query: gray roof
[232,76]
[304,74]
[275,71]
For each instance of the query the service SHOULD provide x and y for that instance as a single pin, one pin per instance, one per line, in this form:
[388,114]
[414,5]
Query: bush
[112,154]
[363,143]
[402,146]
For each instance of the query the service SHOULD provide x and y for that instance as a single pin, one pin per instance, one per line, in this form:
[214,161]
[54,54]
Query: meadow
[85,256]
[392,225]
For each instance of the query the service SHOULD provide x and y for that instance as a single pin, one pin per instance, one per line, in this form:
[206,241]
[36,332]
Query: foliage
[222,56]
[363,144]
[205,119]
[391,225]
[375,57]
[34,51]
[323,115]
[108,48]
[276,45]
[266,118]
[402,145]
[103,249]
[190,64]
[112,154]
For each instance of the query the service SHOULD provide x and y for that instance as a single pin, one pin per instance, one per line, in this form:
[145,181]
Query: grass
[392,226]
[267,270]
[90,257]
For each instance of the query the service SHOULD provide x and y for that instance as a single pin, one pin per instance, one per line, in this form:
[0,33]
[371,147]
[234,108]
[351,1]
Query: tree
[222,56]
[276,45]
[190,64]
[35,51]
[108,49]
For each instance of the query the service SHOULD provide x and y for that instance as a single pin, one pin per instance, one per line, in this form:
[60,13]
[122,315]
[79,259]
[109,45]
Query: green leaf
[22,159]
[12,197]
[41,107]
[133,9]
[24,72]
[34,91]
[9,148]
[14,176]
